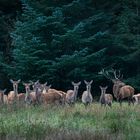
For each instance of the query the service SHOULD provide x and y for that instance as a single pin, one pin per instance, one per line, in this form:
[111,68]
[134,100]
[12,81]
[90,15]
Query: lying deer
[52,96]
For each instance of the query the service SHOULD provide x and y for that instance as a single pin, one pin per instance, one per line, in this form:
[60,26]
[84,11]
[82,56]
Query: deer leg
[101,104]
[109,104]
[129,102]
[120,102]
[132,100]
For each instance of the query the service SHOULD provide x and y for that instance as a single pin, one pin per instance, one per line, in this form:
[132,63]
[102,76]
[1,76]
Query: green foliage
[64,41]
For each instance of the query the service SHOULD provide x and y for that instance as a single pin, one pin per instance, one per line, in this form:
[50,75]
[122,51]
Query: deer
[13,95]
[71,95]
[36,93]
[137,98]
[87,96]
[105,98]
[52,96]
[3,97]
[120,89]
[28,97]
[44,91]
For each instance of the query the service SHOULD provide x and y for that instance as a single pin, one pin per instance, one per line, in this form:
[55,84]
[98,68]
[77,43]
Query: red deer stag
[120,89]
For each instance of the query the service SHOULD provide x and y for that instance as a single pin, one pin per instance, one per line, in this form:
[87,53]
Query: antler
[105,73]
[112,74]
[117,75]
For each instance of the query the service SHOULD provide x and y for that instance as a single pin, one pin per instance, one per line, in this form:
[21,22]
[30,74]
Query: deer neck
[75,93]
[36,91]
[116,88]
[88,90]
[16,91]
[27,92]
[102,94]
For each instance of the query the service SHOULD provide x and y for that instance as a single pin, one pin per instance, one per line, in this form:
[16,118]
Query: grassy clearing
[70,123]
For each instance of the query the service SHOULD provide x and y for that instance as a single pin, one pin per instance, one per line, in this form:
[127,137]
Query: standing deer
[71,95]
[28,97]
[13,95]
[86,96]
[105,98]
[36,93]
[120,89]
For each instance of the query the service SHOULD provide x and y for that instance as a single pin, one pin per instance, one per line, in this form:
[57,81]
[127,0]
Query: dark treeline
[60,41]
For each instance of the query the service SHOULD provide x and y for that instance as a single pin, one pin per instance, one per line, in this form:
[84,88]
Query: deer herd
[37,93]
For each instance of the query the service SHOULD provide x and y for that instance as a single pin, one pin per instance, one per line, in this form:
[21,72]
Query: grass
[70,123]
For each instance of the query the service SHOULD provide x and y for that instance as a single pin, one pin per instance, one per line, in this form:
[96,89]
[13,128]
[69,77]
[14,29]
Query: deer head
[27,87]
[103,89]
[46,88]
[15,85]
[76,85]
[88,84]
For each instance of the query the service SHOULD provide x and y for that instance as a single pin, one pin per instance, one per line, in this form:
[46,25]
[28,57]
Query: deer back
[126,91]
[52,96]
[21,97]
[108,97]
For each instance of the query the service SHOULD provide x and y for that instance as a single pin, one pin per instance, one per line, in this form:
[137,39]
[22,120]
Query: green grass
[70,123]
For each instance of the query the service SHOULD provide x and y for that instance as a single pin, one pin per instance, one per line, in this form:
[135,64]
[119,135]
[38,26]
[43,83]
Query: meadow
[70,123]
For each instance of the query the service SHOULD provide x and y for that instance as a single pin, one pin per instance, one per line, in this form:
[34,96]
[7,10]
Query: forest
[60,41]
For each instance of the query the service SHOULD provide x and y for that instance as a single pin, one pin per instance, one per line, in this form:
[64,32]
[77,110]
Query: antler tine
[115,74]
[120,76]
[105,73]
[109,75]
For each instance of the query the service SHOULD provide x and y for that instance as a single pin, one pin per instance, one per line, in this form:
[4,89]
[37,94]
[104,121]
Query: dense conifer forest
[60,41]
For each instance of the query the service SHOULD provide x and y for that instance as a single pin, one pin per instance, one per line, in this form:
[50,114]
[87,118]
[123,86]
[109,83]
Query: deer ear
[50,86]
[73,83]
[19,81]
[4,90]
[45,83]
[106,87]
[91,82]
[100,87]
[11,81]
[79,83]
[85,82]
[37,82]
